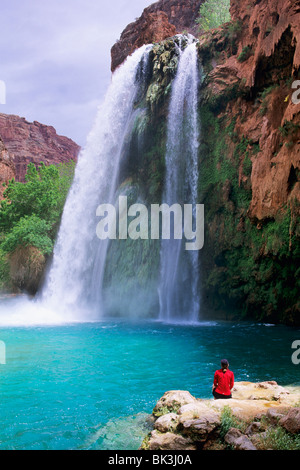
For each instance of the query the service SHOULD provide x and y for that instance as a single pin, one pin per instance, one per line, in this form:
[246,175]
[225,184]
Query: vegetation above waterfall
[213,13]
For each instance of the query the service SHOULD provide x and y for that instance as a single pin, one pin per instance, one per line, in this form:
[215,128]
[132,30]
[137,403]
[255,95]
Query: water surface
[91,385]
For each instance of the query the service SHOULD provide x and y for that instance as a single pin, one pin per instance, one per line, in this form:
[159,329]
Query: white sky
[55,58]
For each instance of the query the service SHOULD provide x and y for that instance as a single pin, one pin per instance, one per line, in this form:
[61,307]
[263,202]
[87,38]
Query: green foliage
[245,54]
[252,270]
[29,231]
[279,439]
[163,410]
[228,421]
[43,195]
[4,271]
[31,211]
[213,13]
[289,128]
[264,99]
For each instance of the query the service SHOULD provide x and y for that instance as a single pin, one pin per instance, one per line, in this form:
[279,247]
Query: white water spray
[76,275]
[179,276]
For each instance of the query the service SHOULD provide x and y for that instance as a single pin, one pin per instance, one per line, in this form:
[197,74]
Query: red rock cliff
[34,142]
[271,29]
[159,21]
[265,61]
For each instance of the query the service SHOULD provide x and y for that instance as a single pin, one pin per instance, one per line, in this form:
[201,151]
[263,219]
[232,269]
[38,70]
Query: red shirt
[223,382]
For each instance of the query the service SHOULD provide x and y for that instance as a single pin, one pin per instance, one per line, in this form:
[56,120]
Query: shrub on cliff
[29,231]
[213,13]
[29,218]
[43,195]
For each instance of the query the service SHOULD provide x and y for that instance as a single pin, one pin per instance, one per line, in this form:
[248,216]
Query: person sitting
[223,381]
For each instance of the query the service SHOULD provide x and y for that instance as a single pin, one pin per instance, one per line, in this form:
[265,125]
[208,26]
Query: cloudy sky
[55,58]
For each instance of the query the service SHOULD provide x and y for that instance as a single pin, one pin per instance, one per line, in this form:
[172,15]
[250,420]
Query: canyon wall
[34,142]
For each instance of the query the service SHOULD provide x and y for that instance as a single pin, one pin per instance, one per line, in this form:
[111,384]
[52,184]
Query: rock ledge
[183,422]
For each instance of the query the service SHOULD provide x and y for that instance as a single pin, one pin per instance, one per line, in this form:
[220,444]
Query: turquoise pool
[91,385]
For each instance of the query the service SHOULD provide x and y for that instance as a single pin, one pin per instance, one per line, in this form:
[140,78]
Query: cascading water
[76,274]
[179,274]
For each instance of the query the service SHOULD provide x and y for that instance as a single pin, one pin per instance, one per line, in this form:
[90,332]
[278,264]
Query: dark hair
[224,364]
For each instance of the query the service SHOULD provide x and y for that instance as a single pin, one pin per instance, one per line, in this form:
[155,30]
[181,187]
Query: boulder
[254,428]
[274,416]
[202,427]
[172,401]
[169,441]
[239,441]
[167,422]
[291,422]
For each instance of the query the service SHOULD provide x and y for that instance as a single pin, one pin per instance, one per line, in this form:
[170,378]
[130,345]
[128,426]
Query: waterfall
[179,272]
[75,276]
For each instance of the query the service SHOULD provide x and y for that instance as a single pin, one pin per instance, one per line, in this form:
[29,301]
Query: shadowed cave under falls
[85,271]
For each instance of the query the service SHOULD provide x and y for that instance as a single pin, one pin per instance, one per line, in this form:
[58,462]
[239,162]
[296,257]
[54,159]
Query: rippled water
[90,386]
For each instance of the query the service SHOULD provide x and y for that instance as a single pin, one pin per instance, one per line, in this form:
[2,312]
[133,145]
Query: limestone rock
[269,390]
[170,441]
[173,400]
[201,427]
[183,422]
[167,422]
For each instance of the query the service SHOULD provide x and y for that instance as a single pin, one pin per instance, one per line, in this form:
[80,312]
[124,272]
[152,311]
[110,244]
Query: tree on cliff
[213,13]
[30,213]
